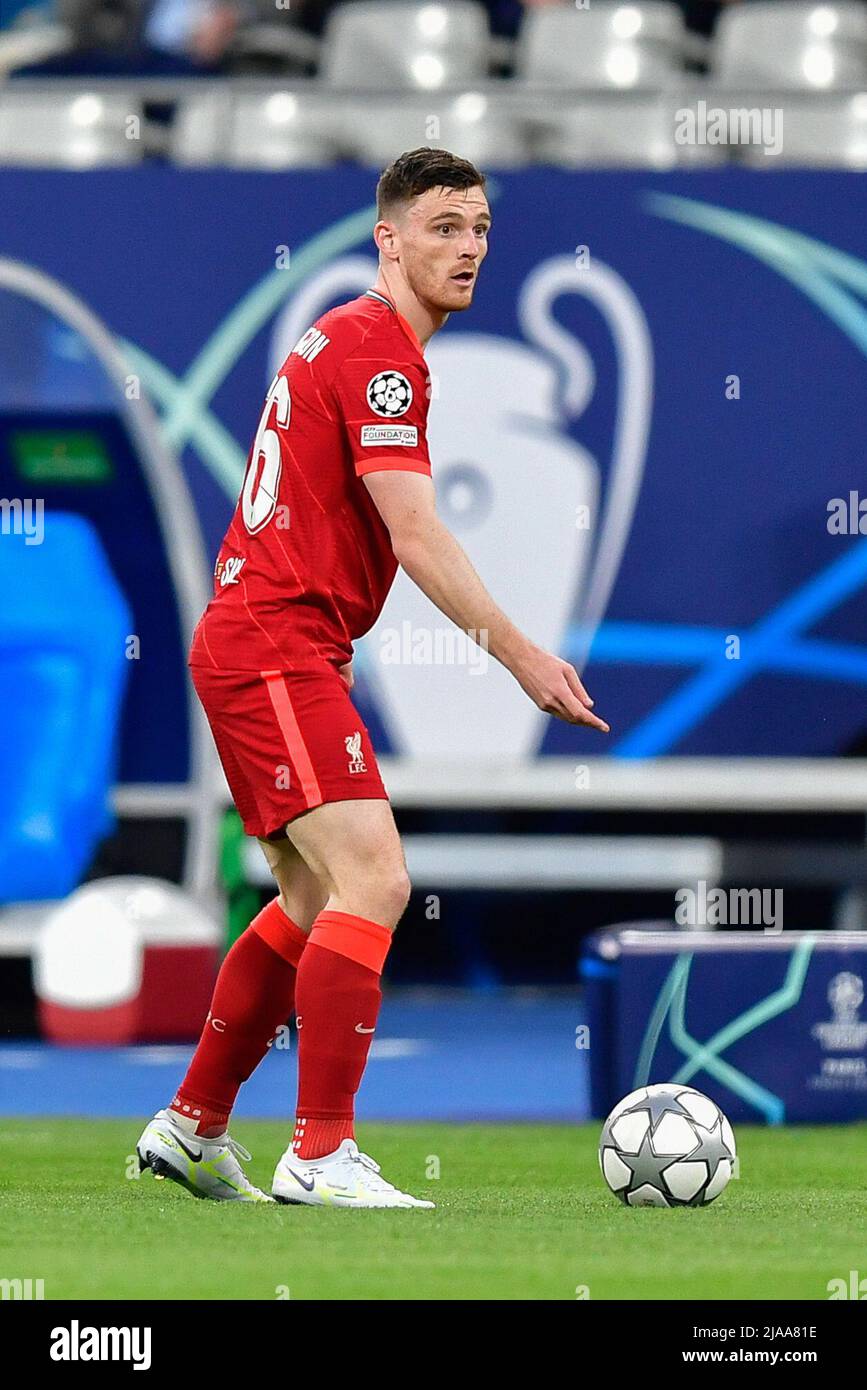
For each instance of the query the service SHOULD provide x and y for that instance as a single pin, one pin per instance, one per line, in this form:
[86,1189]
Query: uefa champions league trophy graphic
[542,525]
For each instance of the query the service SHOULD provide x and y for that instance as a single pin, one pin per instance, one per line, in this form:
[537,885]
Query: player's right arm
[438,564]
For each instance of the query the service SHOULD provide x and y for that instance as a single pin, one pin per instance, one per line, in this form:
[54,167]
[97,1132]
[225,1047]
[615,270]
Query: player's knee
[389,890]
[301,900]
[400,889]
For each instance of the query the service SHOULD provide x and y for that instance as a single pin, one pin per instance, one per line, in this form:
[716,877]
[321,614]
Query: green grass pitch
[522,1214]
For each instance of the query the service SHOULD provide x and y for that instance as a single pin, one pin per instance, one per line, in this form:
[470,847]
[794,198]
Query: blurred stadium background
[648,434]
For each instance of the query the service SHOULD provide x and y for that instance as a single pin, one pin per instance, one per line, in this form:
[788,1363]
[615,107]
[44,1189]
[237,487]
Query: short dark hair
[415,171]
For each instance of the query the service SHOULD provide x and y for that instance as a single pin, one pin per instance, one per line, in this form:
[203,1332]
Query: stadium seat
[826,133]
[796,45]
[200,130]
[277,129]
[32,43]
[605,45]
[108,25]
[375,132]
[636,131]
[392,43]
[72,129]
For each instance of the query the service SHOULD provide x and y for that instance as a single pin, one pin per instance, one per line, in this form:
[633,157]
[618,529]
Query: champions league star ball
[667,1146]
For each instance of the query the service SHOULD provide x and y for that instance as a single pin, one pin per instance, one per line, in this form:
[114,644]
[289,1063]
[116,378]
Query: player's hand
[555,687]
[346,675]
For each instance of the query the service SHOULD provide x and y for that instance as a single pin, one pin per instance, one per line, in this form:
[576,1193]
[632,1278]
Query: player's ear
[385,236]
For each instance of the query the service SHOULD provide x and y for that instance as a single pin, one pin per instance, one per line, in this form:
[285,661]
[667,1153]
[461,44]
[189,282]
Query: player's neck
[422,320]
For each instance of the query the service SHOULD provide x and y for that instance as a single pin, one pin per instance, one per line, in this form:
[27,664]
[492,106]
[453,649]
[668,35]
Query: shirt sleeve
[382,399]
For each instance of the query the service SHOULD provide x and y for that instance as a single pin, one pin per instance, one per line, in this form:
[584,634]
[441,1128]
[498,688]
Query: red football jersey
[306,564]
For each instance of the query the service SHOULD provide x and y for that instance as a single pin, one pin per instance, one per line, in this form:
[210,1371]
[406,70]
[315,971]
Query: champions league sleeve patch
[389,394]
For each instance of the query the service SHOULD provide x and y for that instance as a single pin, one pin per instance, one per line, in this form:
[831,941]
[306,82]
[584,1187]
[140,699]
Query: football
[667,1146]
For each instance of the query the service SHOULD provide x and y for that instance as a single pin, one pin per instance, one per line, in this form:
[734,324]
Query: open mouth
[464,277]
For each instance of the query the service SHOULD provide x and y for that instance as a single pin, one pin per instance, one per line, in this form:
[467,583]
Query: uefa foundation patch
[405,435]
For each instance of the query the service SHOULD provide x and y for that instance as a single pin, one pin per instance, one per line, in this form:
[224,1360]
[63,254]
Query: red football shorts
[287,742]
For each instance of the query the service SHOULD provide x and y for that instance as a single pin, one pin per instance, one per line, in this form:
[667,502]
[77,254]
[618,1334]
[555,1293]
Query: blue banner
[768,1025]
[647,431]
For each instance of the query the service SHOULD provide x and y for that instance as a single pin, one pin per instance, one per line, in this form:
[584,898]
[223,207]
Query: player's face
[443,241]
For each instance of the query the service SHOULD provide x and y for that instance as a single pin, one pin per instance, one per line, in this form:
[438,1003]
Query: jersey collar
[404,323]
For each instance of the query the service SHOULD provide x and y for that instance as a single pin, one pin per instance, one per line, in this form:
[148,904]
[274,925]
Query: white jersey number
[259,494]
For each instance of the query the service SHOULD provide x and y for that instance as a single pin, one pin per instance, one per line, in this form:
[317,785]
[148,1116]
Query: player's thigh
[353,846]
[302,894]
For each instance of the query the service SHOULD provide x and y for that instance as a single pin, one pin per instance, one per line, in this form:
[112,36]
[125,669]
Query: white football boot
[205,1167]
[345,1178]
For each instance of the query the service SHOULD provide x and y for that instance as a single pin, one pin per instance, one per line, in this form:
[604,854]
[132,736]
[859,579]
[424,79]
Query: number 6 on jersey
[262,480]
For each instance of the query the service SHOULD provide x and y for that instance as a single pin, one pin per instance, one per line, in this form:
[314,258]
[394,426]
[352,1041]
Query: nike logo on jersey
[359,1029]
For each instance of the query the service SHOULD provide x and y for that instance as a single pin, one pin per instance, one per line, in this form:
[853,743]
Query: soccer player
[337,493]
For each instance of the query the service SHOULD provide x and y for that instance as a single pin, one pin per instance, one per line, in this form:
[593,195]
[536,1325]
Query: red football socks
[253,996]
[337,998]
[332,980]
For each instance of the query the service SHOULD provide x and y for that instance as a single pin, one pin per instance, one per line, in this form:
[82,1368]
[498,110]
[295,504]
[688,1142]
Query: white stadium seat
[606,45]
[391,43]
[792,45]
[619,132]
[69,129]
[829,133]
[21,46]
[200,130]
[469,123]
[277,129]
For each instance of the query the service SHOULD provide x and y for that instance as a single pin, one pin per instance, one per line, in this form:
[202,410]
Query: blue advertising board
[638,431]
[768,1025]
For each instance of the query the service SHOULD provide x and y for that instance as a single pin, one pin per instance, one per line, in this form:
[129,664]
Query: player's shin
[254,995]
[337,1005]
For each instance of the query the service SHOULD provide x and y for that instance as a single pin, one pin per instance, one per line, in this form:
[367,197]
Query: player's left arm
[435,560]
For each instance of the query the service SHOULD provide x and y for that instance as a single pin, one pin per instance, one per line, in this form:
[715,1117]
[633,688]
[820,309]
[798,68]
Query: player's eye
[445,227]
